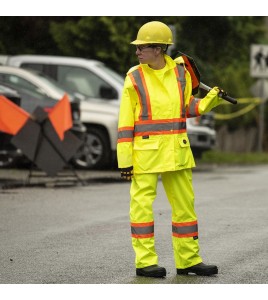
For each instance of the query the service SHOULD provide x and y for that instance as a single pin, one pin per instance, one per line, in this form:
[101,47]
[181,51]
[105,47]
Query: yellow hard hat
[154,32]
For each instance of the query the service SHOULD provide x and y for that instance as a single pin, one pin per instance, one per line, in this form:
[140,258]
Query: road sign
[259,61]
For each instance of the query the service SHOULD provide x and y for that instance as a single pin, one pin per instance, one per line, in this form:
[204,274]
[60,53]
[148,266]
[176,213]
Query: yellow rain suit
[152,137]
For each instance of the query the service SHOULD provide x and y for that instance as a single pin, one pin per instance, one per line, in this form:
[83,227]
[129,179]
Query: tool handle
[223,96]
[228,98]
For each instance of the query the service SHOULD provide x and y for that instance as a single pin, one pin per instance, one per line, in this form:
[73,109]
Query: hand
[127,173]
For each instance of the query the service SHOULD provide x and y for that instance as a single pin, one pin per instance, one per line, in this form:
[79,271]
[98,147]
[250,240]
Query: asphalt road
[79,234]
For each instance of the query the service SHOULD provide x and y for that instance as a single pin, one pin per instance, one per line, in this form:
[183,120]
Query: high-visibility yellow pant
[179,191]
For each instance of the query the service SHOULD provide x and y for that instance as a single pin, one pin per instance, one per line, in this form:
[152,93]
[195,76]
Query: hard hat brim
[140,42]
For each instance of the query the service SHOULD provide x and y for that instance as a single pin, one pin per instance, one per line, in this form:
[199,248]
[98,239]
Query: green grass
[234,158]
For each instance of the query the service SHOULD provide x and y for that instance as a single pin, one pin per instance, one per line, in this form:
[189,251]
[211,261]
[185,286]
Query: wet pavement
[53,232]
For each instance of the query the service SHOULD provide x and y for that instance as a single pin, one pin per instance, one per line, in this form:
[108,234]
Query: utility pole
[261,117]
[259,69]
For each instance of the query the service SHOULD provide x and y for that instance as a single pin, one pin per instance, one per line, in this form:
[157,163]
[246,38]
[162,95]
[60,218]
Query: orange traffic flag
[61,117]
[12,117]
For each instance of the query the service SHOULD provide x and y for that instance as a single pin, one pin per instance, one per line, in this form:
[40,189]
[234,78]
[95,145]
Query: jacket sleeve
[199,106]
[126,126]
[210,101]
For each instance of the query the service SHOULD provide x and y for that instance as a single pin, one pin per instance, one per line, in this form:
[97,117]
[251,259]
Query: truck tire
[95,152]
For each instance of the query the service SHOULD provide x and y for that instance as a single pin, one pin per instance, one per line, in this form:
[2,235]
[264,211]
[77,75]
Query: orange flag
[12,117]
[61,117]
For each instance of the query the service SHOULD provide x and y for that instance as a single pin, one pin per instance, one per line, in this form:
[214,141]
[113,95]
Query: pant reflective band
[142,230]
[186,229]
[160,127]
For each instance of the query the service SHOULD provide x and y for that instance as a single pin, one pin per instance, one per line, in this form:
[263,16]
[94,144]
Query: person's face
[146,53]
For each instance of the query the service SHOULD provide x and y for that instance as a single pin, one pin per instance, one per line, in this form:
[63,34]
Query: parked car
[8,152]
[35,90]
[94,79]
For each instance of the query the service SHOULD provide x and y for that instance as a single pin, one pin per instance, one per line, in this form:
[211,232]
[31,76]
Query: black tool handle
[228,98]
[223,96]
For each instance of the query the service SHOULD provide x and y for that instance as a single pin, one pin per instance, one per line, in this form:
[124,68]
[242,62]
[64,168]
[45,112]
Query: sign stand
[259,69]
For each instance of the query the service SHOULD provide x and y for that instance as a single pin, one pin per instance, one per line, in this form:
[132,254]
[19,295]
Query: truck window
[18,82]
[85,82]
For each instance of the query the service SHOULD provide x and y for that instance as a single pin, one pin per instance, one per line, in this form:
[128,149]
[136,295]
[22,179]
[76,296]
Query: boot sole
[198,272]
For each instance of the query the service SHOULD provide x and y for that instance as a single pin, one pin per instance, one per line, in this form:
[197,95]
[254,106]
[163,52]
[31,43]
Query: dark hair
[164,47]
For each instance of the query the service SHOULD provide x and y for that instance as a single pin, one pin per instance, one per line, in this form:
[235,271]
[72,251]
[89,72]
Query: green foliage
[219,45]
[234,158]
[103,38]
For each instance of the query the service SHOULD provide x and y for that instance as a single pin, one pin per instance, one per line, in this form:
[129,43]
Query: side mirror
[107,92]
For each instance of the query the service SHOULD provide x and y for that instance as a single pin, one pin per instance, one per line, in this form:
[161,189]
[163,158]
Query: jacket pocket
[145,155]
[184,151]
[146,144]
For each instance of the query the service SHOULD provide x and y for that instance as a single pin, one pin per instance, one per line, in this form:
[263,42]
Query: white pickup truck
[102,89]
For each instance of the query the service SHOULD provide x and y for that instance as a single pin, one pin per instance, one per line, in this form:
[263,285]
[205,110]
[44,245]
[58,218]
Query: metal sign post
[259,69]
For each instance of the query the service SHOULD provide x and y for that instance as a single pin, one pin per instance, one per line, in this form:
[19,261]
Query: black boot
[151,271]
[199,269]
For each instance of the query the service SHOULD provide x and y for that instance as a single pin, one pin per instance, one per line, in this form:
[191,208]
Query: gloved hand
[127,173]
[211,100]
[221,92]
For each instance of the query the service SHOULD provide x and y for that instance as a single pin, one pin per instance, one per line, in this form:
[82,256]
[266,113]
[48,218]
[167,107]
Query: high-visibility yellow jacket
[152,135]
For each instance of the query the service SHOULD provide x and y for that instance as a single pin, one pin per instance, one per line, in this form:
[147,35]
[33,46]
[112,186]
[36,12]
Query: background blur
[220,46]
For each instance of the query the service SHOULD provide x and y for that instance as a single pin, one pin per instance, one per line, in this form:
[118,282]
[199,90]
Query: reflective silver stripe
[141,88]
[125,134]
[184,229]
[142,230]
[160,127]
[182,82]
[181,78]
[192,107]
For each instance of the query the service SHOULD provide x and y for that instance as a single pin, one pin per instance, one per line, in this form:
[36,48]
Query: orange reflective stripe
[160,121]
[185,229]
[137,90]
[142,224]
[142,230]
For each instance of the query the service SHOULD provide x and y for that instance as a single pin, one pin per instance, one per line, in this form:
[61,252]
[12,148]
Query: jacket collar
[170,63]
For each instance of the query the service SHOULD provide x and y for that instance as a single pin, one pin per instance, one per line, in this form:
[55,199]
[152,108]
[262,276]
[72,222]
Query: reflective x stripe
[186,229]
[138,81]
[145,125]
[142,230]
[169,126]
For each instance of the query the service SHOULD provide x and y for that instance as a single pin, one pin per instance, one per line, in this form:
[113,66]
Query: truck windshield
[115,75]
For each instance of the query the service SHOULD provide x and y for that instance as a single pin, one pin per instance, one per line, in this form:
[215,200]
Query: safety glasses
[143,47]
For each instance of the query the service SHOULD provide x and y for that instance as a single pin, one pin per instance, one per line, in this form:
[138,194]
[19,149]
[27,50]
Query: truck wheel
[95,152]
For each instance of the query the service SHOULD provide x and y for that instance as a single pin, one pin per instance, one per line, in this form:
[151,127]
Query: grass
[234,158]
